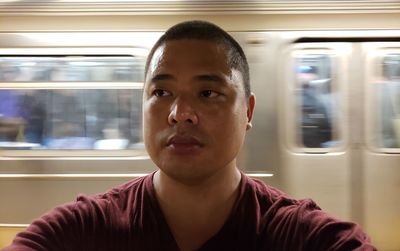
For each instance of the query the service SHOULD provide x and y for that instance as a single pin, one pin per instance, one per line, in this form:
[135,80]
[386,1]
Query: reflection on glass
[388,90]
[315,101]
[71,118]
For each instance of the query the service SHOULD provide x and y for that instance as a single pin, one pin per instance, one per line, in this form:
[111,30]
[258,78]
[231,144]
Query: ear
[251,103]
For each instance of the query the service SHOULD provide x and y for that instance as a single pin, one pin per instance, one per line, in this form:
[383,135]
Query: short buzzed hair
[202,30]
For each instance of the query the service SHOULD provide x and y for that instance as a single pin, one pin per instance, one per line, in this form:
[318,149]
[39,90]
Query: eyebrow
[161,77]
[210,78]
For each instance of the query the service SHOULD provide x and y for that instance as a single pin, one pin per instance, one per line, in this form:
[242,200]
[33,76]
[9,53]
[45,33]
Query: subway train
[326,75]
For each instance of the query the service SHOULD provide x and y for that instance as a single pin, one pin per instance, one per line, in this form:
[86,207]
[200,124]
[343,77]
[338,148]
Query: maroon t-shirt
[129,218]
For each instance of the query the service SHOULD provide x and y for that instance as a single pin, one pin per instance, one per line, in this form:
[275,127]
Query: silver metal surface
[73,7]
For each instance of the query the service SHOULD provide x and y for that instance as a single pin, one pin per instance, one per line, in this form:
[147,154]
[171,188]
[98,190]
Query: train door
[313,125]
[381,173]
[340,131]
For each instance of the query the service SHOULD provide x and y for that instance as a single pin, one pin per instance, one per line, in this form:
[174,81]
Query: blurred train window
[388,102]
[315,101]
[63,117]
[71,68]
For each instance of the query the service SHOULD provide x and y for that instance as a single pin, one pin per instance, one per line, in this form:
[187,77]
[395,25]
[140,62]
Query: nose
[182,111]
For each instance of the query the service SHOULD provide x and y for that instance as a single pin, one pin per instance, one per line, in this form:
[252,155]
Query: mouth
[184,144]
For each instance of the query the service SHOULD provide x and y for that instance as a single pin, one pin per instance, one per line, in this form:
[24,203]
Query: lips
[184,144]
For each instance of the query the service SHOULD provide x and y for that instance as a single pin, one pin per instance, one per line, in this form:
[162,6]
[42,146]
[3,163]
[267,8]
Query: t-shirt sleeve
[303,226]
[62,228]
[324,232]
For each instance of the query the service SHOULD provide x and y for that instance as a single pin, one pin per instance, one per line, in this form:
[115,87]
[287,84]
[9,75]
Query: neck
[197,211]
[217,188]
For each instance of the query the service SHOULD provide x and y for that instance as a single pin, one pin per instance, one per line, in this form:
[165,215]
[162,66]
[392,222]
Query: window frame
[374,54]
[338,52]
[49,50]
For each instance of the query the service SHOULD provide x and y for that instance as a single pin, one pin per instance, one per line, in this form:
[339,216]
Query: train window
[315,101]
[50,114]
[387,91]
[71,69]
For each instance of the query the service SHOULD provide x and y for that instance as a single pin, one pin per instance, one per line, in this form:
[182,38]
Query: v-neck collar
[225,230]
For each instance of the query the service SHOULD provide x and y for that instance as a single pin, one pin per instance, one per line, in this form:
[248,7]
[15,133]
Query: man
[197,106]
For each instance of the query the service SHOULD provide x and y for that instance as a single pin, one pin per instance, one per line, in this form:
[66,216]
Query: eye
[209,94]
[160,93]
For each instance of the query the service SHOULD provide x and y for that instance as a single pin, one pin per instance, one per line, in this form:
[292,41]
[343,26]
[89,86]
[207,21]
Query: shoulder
[272,206]
[269,197]
[78,223]
[116,197]
[121,194]
[290,223]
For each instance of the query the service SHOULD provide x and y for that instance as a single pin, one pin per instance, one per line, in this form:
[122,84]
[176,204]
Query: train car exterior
[326,75]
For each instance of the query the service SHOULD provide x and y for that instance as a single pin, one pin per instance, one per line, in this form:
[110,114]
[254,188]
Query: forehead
[191,53]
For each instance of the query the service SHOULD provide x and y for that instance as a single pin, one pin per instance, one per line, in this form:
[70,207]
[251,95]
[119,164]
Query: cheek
[152,119]
[153,113]
[230,126]
[151,129]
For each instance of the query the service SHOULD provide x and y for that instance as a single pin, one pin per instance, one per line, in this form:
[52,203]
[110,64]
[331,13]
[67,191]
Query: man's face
[195,110]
